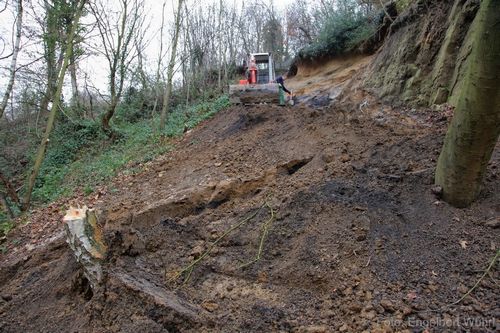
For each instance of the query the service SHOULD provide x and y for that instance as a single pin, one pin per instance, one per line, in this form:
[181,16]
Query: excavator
[259,86]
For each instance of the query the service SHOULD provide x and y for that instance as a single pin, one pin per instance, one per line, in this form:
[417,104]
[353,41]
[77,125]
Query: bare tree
[171,65]
[300,24]
[117,34]
[161,55]
[15,52]
[220,42]
[187,48]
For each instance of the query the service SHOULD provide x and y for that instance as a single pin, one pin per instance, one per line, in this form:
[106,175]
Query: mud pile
[358,242]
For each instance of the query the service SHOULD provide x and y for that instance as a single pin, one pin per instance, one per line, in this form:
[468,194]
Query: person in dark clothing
[281,81]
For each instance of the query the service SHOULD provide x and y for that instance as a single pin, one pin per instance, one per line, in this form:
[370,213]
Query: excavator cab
[259,85]
[265,67]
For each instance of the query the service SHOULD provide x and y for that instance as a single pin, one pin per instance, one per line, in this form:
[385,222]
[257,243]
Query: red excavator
[260,85]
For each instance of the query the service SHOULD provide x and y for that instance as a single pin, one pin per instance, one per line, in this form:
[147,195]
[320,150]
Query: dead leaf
[463,244]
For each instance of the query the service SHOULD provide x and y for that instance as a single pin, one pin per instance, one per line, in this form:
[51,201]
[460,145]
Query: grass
[81,157]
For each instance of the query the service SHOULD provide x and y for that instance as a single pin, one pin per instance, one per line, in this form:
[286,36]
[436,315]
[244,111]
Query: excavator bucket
[254,93]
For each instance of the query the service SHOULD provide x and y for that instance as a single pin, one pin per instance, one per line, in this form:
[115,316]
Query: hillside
[359,241]
[323,216]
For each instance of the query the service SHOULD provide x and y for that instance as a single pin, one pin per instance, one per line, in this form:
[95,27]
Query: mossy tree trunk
[475,126]
[50,39]
[53,112]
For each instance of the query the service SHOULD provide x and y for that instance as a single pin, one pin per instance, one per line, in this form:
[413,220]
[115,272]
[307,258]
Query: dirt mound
[320,84]
[358,242]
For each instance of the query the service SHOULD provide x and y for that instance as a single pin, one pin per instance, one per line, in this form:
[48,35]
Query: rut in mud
[359,242]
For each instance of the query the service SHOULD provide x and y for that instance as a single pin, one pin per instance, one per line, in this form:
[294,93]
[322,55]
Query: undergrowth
[403,4]
[344,27]
[6,225]
[80,156]
[342,30]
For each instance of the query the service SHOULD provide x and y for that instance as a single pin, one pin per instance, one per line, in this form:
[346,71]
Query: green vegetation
[6,224]
[187,117]
[403,4]
[81,156]
[342,30]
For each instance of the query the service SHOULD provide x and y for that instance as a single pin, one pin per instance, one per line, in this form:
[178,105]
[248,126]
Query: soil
[358,243]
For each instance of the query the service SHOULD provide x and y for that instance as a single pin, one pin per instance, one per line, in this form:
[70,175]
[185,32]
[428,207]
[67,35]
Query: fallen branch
[189,268]
[417,172]
[486,272]
[265,231]
[368,262]
[492,263]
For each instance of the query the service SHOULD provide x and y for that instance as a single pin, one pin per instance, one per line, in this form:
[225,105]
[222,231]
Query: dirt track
[359,241]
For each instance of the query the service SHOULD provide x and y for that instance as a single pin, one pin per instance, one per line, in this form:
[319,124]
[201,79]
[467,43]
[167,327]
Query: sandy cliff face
[425,53]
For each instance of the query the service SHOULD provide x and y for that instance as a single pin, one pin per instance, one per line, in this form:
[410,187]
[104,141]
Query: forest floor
[356,240]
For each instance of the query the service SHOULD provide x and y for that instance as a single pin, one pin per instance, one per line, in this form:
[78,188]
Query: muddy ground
[358,242]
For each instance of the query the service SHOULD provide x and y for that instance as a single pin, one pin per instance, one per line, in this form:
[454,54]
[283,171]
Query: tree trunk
[157,86]
[475,126]
[15,52]
[75,100]
[50,123]
[90,111]
[6,206]
[106,118]
[50,46]
[219,60]
[11,191]
[170,70]
[118,52]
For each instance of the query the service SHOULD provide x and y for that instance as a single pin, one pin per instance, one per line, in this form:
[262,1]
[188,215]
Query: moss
[420,61]
[449,56]
[440,96]
[473,131]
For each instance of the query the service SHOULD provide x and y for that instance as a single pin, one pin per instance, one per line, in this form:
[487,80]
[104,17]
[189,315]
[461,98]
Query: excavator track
[254,93]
